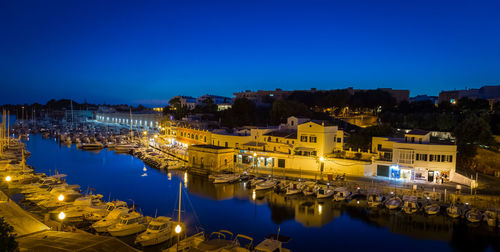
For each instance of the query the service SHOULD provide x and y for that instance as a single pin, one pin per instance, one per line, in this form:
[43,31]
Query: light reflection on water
[312,224]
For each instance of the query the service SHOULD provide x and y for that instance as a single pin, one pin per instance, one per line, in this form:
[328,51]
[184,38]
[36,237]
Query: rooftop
[418,132]
[286,133]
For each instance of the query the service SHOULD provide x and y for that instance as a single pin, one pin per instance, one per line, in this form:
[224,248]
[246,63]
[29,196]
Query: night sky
[148,51]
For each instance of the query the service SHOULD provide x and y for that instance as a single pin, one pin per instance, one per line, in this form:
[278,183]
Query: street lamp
[8,178]
[178,230]
[61,198]
[61,216]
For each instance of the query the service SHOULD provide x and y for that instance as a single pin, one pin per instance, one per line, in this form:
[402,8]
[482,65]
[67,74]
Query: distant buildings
[491,93]
[420,98]
[264,96]
[190,103]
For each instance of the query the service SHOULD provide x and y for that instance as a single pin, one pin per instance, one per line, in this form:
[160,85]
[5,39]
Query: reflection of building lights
[253,195]
[185,179]
[320,209]
[61,197]
[144,169]
[169,176]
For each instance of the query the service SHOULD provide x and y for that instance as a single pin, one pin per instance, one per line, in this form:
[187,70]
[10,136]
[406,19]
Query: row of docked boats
[58,200]
[225,241]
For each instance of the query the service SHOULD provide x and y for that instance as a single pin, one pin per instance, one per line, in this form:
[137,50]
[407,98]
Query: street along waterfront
[312,224]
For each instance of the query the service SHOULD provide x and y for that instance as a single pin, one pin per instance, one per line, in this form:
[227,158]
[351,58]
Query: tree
[7,237]
[282,109]
[242,112]
[470,133]
[363,139]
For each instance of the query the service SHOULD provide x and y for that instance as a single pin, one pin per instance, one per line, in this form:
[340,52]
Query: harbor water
[312,225]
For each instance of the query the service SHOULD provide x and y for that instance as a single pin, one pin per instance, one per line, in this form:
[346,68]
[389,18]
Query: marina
[255,211]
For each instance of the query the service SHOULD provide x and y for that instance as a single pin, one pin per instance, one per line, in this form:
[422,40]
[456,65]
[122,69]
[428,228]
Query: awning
[304,149]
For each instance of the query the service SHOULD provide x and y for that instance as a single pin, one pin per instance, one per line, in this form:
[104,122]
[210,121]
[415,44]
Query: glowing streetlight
[61,198]
[178,229]
[61,216]
[322,159]
[156,136]
[8,178]
[254,154]
[145,132]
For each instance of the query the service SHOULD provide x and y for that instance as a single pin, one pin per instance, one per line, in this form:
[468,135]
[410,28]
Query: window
[431,158]
[412,139]
[379,147]
[269,139]
[225,145]
[281,163]
[420,140]
[450,158]
[303,138]
[339,140]
[443,158]
[312,139]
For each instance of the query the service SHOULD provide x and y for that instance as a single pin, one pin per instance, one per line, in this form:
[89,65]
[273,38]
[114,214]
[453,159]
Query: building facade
[414,157]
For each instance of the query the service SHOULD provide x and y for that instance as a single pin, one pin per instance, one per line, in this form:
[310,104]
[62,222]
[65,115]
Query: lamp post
[61,217]
[8,178]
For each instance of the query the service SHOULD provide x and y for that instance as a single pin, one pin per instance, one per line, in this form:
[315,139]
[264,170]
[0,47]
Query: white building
[414,157]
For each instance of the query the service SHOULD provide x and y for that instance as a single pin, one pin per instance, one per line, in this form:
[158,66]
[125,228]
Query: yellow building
[210,158]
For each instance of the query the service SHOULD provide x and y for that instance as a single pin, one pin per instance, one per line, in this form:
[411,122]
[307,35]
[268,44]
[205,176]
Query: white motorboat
[129,224]
[112,218]
[393,203]
[410,204]
[273,243]
[99,214]
[453,211]
[217,241]
[124,148]
[92,146]
[324,192]
[188,243]
[474,215]
[294,188]
[159,230]
[225,178]
[268,184]
[341,194]
[432,209]
[491,218]
[80,207]
[310,188]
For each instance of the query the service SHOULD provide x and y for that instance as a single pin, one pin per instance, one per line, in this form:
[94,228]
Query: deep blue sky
[148,51]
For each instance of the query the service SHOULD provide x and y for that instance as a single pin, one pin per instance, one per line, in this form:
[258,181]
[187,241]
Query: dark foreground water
[312,227]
